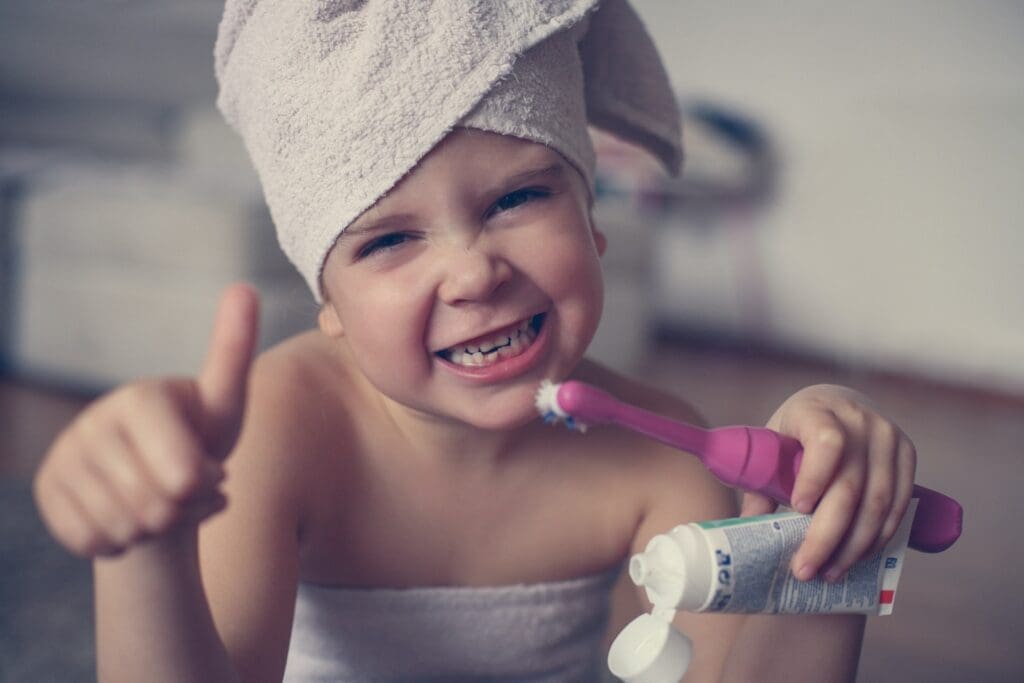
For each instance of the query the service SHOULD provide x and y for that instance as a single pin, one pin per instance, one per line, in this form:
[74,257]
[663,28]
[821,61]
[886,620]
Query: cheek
[384,324]
[386,346]
[569,270]
[371,305]
[588,293]
[570,262]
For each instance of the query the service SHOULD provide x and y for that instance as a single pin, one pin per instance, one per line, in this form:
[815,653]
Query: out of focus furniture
[118,267]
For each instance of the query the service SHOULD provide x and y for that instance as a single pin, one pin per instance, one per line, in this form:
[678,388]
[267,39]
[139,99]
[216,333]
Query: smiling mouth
[497,347]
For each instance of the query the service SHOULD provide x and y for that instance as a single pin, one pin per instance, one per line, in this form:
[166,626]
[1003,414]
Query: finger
[112,526]
[170,450]
[63,516]
[757,504]
[829,524]
[824,440]
[126,472]
[905,469]
[222,382]
[875,503]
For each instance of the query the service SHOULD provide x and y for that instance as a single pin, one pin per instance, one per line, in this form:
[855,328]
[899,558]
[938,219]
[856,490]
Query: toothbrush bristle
[547,405]
[546,400]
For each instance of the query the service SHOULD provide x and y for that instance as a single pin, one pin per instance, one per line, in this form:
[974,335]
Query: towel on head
[337,100]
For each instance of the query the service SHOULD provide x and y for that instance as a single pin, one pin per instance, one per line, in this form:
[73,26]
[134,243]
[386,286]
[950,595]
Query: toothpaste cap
[650,650]
[675,569]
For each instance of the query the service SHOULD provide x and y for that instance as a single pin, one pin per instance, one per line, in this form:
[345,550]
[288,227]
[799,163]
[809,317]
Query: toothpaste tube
[742,566]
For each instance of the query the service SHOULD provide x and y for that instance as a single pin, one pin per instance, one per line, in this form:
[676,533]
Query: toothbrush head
[550,410]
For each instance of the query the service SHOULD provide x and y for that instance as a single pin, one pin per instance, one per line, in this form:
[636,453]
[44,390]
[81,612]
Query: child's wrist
[176,546]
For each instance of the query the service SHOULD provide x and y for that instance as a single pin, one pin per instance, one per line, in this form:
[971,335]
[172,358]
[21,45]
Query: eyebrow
[380,225]
[400,219]
[557,168]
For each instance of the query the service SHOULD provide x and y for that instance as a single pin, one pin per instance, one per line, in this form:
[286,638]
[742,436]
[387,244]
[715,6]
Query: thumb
[224,377]
[756,504]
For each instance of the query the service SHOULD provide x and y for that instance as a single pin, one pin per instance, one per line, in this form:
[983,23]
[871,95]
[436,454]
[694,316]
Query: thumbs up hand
[149,456]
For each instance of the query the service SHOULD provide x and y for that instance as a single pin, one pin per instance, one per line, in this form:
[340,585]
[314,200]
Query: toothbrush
[750,458]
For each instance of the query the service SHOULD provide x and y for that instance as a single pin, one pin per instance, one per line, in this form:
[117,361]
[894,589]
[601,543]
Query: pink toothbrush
[750,458]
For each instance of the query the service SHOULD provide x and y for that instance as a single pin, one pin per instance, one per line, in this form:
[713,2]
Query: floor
[46,631]
[955,617]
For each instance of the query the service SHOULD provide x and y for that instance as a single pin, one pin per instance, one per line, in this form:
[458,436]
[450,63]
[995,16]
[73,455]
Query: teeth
[495,349]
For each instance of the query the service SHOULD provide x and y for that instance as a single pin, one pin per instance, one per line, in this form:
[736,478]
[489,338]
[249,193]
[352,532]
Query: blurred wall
[130,204]
[895,237]
[108,77]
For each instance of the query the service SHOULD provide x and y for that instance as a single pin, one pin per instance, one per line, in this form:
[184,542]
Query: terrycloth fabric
[542,632]
[337,100]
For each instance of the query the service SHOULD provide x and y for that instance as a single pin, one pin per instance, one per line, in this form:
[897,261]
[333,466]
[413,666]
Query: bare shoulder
[290,385]
[279,465]
[674,486]
[295,411]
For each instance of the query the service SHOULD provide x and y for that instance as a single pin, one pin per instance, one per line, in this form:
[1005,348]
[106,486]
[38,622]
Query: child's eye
[382,244]
[519,197]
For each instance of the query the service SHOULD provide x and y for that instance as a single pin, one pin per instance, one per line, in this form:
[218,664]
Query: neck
[437,440]
[441,441]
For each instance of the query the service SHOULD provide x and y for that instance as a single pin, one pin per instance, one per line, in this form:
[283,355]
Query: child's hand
[857,475]
[149,455]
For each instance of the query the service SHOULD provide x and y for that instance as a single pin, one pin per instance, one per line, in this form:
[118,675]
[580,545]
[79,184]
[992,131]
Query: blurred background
[849,213]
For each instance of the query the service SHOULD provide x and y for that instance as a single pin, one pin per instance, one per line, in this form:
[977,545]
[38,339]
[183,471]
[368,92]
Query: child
[376,499]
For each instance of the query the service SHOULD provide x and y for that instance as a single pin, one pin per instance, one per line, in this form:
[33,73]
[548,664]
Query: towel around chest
[539,632]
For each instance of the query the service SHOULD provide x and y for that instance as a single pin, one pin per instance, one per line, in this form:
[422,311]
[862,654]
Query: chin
[504,413]
[505,423]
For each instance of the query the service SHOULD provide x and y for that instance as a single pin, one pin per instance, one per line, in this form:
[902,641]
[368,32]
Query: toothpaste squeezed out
[742,566]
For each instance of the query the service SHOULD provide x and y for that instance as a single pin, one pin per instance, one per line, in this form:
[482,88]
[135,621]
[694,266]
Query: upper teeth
[503,345]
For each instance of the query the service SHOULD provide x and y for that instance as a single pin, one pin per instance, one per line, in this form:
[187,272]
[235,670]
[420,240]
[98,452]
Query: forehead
[466,144]
[470,160]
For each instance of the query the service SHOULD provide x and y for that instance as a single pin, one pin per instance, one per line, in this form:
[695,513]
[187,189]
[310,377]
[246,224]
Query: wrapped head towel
[337,100]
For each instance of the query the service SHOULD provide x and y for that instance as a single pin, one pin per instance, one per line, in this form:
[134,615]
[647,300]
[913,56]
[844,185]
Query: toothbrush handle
[754,459]
[751,458]
[763,461]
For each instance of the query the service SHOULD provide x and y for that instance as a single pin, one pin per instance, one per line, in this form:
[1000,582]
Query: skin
[354,455]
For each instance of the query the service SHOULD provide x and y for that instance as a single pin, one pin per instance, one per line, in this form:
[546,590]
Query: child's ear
[330,323]
[599,240]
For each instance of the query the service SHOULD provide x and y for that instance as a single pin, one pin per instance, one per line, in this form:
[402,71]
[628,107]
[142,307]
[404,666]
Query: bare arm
[153,621]
[128,484]
[795,649]
[214,605]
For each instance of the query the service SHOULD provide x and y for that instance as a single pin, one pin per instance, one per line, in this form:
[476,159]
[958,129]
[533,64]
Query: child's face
[475,278]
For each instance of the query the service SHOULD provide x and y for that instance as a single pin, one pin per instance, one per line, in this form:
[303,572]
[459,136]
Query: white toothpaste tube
[742,566]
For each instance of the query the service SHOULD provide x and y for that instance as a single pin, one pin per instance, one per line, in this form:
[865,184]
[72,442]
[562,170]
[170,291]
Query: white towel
[337,100]
[539,633]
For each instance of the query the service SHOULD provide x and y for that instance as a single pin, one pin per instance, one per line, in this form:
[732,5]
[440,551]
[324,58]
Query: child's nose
[473,274]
